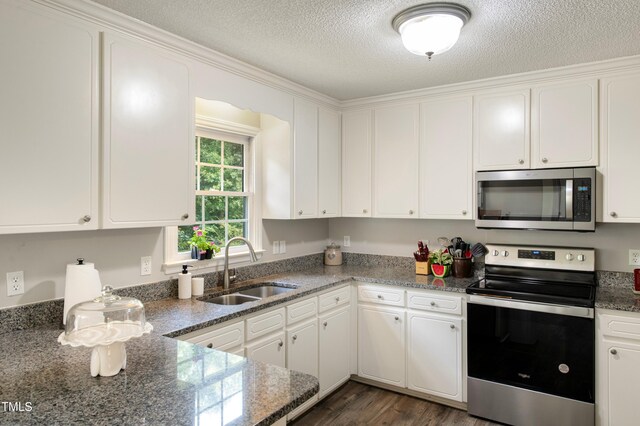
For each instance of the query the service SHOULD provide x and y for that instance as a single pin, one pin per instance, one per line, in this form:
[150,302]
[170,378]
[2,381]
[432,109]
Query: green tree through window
[221,193]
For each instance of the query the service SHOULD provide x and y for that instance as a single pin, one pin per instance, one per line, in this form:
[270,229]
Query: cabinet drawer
[434,302]
[626,326]
[381,295]
[223,338]
[265,323]
[302,310]
[334,298]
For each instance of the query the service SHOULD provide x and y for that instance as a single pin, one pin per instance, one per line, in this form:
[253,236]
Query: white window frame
[233,132]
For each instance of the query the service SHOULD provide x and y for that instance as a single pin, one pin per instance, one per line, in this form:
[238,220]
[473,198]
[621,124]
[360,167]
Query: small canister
[333,255]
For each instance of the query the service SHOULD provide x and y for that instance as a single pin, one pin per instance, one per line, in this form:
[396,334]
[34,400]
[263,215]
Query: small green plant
[199,240]
[440,257]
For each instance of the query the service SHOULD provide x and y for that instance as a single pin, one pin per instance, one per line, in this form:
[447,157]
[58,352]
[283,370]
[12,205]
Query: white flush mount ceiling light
[431,29]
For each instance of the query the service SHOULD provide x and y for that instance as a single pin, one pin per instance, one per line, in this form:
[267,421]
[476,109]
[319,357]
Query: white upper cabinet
[564,124]
[396,144]
[148,174]
[445,150]
[305,163]
[356,163]
[620,149]
[501,130]
[329,163]
[48,121]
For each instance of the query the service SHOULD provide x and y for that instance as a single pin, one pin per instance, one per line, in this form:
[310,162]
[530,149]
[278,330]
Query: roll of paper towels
[82,283]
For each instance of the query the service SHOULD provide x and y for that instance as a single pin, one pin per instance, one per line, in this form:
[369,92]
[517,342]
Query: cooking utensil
[444,242]
[478,250]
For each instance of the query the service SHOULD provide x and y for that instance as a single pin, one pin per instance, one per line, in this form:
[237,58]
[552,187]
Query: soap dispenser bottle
[184,283]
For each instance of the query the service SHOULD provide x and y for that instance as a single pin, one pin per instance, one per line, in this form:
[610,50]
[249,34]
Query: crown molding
[116,21]
[586,70]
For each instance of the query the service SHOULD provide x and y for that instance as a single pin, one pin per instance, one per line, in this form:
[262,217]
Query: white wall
[398,237]
[116,254]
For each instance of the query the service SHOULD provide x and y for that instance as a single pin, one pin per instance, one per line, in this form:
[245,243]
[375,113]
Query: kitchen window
[224,198]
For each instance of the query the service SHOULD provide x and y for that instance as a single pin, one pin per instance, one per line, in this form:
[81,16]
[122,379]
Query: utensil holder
[462,267]
[423,268]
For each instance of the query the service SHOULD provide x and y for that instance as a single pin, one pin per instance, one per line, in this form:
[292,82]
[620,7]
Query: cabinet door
[270,350]
[333,345]
[501,130]
[564,124]
[445,149]
[356,163]
[396,145]
[435,355]
[381,344]
[329,163]
[302,348]
[620,147]
[622,383]
[148,137]
[48,121]
[305,142]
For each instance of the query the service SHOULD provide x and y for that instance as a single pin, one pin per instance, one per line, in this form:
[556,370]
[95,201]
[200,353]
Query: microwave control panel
[582,200]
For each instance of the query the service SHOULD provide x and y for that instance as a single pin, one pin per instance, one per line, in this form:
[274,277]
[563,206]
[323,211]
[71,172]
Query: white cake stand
[109,355]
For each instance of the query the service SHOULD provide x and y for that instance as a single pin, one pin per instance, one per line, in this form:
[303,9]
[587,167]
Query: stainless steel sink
[265,291]
[231,299]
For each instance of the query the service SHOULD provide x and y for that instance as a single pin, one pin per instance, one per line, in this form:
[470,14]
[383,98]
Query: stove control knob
[580,258]
[496,252]
[569,256]
[505,253]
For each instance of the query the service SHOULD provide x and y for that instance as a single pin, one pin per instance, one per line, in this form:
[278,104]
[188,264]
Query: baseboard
[425,396]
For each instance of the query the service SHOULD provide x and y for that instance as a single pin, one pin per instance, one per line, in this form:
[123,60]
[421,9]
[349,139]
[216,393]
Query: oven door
[542,350]
[560,199]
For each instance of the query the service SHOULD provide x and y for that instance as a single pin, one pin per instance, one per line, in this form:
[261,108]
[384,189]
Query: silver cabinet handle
[410,211]
[324,323]
[364,211]
[295,337]
[433,303]
[185,216]
[337,299]
[210,345]
[464,212]
[324,212]
[613,351]
[299,211]
[613,214]
[520,161]
[545,160]
[86,218]
[397,318]
[452,326]
[281,344]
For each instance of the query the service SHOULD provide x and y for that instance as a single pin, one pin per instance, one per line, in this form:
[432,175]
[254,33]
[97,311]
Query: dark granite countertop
[617,298]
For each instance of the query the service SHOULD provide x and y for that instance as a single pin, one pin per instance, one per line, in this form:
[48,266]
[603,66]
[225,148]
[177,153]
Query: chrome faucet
[252,253]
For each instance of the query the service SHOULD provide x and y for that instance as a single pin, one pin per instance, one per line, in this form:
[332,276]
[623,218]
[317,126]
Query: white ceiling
[347,48]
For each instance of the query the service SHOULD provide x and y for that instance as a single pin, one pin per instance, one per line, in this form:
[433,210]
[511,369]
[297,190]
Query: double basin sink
[249,295]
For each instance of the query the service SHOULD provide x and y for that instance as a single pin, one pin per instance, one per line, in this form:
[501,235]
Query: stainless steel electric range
[531,336]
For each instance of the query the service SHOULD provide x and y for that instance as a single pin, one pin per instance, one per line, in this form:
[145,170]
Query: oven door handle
[574,311]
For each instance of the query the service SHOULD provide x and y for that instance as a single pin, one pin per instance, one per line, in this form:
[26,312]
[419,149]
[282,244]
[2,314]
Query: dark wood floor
[359,404]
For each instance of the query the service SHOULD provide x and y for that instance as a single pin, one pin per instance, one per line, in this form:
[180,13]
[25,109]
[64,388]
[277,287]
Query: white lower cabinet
[434,354]
[271,350]
[302,348]
[334,341]
[381,344]
[617,372]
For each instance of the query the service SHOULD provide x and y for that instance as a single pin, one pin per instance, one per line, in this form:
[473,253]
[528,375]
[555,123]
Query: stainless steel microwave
[555,199]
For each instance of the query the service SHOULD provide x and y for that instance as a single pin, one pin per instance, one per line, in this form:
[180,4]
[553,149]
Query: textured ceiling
[347,48]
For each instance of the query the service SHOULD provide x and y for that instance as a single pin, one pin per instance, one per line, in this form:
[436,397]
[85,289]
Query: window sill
[217,263]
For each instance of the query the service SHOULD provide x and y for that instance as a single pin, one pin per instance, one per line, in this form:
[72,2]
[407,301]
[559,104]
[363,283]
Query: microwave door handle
[569,199]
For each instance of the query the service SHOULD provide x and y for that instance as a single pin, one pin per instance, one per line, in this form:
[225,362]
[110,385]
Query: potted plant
[440,263]
[201,247]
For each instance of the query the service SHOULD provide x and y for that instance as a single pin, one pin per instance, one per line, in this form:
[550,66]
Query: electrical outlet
[276,247]
[145,265]
[15,283]
[634,257]
[283,247]
[347,241]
